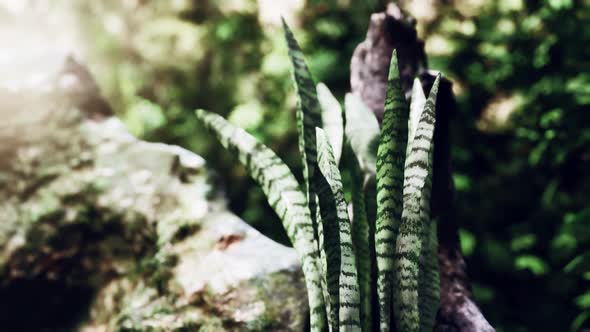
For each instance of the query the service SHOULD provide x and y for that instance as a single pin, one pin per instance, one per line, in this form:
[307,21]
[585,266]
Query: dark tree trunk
[369,70]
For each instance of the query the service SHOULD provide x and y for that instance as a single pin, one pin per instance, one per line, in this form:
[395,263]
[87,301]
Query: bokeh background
[521,137]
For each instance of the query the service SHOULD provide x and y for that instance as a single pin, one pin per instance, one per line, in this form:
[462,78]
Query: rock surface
[100,231]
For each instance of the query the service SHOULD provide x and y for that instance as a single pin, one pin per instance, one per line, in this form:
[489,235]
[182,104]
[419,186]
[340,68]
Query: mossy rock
[101,231]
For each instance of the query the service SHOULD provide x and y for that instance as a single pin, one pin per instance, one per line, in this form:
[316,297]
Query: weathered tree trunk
[369,70]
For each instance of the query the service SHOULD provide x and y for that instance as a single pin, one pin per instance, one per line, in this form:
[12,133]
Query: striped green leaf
[416,106]
[414,229]
[371,205]
[390,177]
[428,283]
[362,132]
[284,196]
[362,137]
[309,116]
[329,278]
[331,119]
[340,255]
[361,232]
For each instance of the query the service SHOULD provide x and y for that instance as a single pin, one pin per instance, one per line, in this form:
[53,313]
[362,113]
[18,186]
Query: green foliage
[521,184]
[318,222]
[521,181]
[390,185]
[362,233]
[416,107]
[362,137]
[362,133]
[284,196]
[428,277]
[337,225]
[309,117]
[332,119]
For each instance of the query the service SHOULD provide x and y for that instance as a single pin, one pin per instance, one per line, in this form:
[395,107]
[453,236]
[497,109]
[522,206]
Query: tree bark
[369,70]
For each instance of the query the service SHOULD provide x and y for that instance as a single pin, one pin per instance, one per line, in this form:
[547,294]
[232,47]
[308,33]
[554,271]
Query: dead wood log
[369,69]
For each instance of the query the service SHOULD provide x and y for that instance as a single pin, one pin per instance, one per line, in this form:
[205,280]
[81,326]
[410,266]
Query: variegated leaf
[428,283]
[361,232]
[309,116]
[415,223]
[390,177]
[416,106]
[362,132]
[284,196]
[341,260]
[331,119]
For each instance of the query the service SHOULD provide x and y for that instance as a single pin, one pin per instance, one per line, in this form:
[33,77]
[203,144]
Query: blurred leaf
[532,263]
[482,292]
[321,63]
[579,264]
[461,182]
[276,64]
[560,4]
[583,301]
[580,321]
[548,196]
[542,56]
[523,242]
[467,241]
[497,254]
[551,118]
[537,153]
[248,115]
[332,28]
[144,116]
[580,87]
[563,245]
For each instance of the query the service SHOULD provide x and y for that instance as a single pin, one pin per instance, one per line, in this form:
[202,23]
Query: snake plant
[390,229]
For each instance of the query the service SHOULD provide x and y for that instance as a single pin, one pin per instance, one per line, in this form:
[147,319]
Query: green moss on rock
[138,224]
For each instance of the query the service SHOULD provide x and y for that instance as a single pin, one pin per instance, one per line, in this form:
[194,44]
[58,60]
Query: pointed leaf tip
[418,100]
[390,172]
[286,27]
[393,65]
[434,90]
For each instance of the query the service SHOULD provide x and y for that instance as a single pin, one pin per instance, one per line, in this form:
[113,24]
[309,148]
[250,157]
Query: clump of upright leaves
[391,177]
